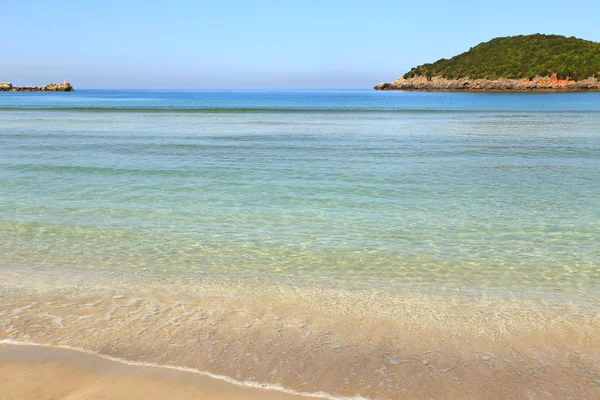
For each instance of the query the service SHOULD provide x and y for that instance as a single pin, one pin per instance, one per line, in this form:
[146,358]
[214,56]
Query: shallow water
[370,199]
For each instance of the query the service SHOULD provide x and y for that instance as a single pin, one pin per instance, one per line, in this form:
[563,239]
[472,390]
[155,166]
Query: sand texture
[40,373]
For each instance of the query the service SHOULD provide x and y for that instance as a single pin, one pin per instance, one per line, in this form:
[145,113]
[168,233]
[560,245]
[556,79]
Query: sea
[336,243]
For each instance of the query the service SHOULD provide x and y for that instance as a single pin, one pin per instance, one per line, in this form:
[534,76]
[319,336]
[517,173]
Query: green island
[536,62]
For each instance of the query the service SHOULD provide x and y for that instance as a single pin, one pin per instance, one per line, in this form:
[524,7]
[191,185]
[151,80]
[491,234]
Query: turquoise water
[481,193]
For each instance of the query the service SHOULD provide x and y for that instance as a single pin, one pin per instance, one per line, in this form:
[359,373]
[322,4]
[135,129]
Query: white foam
[56,319]
[19,310]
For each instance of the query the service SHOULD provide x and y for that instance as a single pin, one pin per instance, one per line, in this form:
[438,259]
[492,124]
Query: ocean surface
[493,196]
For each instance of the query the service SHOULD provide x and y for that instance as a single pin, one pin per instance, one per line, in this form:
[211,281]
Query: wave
[237,110]
[267,110]
[247,384]
[293,110]
[101,170]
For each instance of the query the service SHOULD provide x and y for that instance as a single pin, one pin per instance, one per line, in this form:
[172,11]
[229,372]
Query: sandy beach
[39,373]
[307,340]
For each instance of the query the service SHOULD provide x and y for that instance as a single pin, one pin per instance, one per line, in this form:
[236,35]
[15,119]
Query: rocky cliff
[52,87]
[538,84]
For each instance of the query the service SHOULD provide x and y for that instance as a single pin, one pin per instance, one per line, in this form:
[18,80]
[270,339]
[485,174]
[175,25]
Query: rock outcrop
[538,84]
[52,87]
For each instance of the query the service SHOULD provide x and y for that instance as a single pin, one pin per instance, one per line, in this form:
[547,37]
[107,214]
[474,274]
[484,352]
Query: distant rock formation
[52,87]
[538,84]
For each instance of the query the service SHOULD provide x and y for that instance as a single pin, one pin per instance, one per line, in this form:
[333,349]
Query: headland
[524,63]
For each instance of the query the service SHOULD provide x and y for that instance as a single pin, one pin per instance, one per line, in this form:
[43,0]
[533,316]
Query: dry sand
[42,373]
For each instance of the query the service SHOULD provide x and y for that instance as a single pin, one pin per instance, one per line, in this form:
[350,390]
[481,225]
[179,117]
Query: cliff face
[539,84]
[52,87]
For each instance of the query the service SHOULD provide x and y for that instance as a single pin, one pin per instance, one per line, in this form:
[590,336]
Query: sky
[230,44]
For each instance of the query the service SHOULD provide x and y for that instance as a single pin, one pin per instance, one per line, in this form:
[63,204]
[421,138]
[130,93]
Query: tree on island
[519,57]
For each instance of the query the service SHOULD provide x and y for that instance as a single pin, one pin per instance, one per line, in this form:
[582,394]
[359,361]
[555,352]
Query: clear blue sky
[259,44]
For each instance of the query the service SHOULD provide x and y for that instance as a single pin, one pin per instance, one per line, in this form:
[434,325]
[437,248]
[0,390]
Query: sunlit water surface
[466,194]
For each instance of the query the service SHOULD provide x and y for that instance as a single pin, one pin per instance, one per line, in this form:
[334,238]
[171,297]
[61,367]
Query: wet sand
[385,344]
[41,373]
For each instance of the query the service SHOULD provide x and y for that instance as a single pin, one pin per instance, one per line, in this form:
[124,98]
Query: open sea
[338,243]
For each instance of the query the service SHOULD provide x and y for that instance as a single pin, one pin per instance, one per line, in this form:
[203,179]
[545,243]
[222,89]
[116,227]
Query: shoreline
[378,345]
[33,371]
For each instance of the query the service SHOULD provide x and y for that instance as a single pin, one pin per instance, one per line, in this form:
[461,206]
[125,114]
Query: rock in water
[52,87]
[58,87]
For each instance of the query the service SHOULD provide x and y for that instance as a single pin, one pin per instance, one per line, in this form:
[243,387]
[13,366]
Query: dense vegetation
[518,57]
